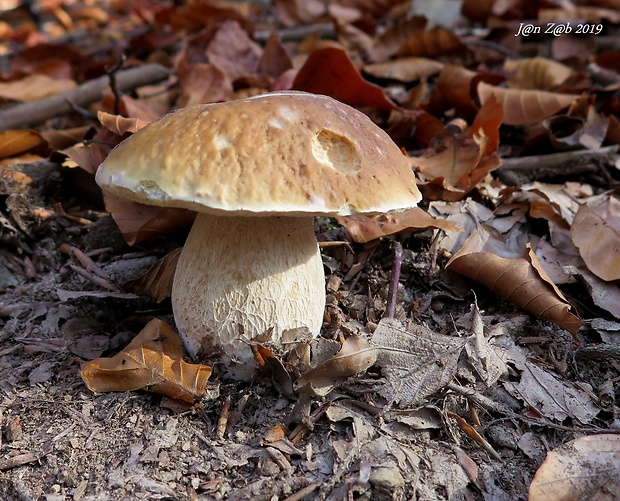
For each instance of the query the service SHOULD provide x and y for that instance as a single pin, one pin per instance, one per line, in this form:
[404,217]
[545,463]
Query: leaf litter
[458,395]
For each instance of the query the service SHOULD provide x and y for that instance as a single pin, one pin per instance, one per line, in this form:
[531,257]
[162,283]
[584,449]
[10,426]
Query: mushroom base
[238,277]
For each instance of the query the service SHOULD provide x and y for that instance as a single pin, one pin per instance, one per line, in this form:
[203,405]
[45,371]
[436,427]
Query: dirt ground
[61,442]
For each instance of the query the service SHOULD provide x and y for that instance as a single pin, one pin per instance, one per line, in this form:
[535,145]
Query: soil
[61,441]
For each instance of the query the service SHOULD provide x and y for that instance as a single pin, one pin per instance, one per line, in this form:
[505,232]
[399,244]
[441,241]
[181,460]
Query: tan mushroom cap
[282,152]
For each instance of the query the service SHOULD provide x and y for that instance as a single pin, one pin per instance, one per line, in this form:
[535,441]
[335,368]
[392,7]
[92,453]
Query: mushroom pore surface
[238,277]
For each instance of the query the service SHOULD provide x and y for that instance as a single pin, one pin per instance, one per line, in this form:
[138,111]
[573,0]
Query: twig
[34,112]
[301,494]
[492,406]
[393,292]
[112,72]
[19,460]
[516,171]
[298,33]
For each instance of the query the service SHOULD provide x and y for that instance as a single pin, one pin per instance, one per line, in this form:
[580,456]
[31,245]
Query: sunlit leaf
[525,106]
[363,229]
[486,259]
[432,43]
[14,142]
[153,360]
[535,73]
[405,69]
[329,71]
[596,232]
[585,468]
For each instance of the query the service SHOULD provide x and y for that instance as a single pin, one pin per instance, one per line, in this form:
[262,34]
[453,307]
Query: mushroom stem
[239,277]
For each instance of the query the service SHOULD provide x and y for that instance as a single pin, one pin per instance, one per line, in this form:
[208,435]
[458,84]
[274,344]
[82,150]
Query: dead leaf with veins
[596,232]
[415,361]
[519,278]
[585,468]
[154,361]
[355,356]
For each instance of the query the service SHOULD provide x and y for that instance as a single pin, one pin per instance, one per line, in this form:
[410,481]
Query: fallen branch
[34,112]
[521,170]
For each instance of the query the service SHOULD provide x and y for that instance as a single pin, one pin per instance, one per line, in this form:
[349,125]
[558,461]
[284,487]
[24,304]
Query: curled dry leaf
[596,232]
[363,229]
[486,259]
[405,69]
[585,468]
[535,73]
[120,125]
[432,43]
[157,280]
[415,361]
[153,360]
[139,222]
[355,356]
[525,106]
[459,162]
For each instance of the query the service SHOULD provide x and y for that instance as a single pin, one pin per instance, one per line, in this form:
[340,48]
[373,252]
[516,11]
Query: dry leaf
[455,163]
[139,222]
[355,356]
[415,361]
[331,72]
[14,142]
[154,361]
[585,468]
[535,73]
[596,232]
[552,397]
[483,359]
[157,280]
[363,229]
[525,106]
[486,259]
[120,125]
[34,87]
[432,43]
[405,69]
[271,366]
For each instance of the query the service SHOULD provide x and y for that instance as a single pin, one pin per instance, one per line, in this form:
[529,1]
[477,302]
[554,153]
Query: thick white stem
[237,277]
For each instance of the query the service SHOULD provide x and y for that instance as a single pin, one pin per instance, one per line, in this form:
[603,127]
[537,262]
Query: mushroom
[257,171]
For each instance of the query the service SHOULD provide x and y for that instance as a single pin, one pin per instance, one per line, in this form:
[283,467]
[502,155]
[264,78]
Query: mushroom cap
[282,152]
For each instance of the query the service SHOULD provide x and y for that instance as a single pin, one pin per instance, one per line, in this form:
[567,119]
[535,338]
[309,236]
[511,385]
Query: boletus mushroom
[257,171]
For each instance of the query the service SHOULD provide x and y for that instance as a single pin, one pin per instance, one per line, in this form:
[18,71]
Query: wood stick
[34,112]
[521,170]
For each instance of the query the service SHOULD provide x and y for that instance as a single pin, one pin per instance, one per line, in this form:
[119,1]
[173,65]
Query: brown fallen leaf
[140,222]
[355,356]
[331,72]
[487,259]
[585,468]
[157,280]
[432,43]
[405,69]
[363,229]
[472,433]
[118,124]
[14,142]
[415,361]
[596,232]
[455,163]
[536,73]
[154,361]
[525,106]
[33,87]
